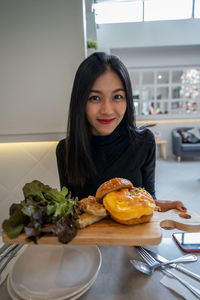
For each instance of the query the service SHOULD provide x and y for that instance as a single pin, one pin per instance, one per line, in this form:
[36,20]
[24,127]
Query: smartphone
[188,241]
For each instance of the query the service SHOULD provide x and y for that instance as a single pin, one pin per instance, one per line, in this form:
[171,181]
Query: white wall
[148,34]
[21,163]
[91,26]
[42,42]
[159,56]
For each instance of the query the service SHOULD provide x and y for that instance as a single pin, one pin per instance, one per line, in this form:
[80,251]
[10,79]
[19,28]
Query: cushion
[190,136]
[191,147]
[195,131]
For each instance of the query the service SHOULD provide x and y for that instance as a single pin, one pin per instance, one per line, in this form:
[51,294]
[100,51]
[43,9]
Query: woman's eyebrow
[115,91]
[118,90]
[95,91]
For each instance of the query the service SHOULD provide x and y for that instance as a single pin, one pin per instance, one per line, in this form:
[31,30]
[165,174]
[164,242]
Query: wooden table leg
[162,148]
[164,151]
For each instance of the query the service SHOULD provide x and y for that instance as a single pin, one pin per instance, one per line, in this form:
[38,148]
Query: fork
[152,261]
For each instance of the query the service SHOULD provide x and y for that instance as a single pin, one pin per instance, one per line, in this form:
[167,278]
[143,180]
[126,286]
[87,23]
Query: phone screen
[188,240]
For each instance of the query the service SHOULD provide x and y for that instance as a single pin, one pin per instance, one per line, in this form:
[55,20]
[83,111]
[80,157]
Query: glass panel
[176,107]
[116,12]
[167,9]
[176,76]
[134,76]
[136,108]
[136,93]
[189,91]
[176,92]
[162,77]
[157,108]
[166,107]
[147,93]
[191,106]
[197,9]
[191,76]
[190,83]
[163,108]
[148,77]
[162,93]
[145,108]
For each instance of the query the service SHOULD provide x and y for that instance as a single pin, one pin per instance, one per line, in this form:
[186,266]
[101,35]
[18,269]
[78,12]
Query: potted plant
[92,46]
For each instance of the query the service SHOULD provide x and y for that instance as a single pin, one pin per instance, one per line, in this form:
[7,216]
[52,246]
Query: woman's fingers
[180,206]
[157,208]
[167,205]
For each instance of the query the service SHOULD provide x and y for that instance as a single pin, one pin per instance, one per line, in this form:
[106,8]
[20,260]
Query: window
[170,91]
[144,10]
[155,10]
[118,12]
[197,9]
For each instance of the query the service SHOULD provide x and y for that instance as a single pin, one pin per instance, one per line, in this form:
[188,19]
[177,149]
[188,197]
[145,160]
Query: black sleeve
[61,164]
[148,168]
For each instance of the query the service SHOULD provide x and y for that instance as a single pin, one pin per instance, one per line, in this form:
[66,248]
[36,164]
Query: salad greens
[44,210]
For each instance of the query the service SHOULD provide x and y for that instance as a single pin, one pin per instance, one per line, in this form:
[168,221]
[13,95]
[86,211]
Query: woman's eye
[118,97]
[94,98]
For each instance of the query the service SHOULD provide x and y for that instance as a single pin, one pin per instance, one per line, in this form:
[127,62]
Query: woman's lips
[105,121]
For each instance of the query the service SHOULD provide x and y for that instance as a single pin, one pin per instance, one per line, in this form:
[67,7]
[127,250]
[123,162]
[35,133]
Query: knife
[176,266]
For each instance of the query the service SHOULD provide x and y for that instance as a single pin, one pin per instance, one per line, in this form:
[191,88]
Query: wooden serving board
[109,233]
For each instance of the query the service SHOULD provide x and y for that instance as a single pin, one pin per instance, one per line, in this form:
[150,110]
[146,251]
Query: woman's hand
[162,205]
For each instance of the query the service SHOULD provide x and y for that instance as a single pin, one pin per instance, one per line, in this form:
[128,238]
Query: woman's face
[106,104]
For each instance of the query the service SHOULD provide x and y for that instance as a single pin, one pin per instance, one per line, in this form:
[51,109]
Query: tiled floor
[179,181]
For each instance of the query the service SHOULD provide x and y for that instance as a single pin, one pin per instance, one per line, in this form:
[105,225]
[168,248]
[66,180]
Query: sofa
[186,142]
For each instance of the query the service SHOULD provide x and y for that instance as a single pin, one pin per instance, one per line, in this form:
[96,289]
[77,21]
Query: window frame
[195,11]
[168,101]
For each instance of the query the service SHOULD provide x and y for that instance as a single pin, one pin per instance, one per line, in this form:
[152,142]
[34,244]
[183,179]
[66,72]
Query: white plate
[54,272]
[14,296]
[1,242]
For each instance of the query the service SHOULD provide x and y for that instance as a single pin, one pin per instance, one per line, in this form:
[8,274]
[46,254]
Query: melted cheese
[128,204]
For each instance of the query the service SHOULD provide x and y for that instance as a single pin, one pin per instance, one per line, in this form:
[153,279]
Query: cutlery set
[152,264]
[181,268]
[155,260]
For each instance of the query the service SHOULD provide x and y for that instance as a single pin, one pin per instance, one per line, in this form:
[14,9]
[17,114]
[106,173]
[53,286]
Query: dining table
[118,280]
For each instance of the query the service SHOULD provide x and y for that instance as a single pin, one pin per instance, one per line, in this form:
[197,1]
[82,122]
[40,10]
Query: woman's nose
[106,107]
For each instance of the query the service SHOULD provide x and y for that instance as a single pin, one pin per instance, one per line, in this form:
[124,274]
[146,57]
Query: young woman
[102,140]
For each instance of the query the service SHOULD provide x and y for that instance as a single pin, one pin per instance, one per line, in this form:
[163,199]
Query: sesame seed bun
[111,185]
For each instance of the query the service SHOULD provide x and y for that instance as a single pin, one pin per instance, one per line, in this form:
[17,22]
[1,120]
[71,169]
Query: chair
[184,149]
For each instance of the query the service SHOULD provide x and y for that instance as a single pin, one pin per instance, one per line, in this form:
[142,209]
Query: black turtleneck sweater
[116,155]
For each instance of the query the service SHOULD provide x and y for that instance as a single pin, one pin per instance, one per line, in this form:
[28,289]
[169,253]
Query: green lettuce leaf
[41,207]
[15,224]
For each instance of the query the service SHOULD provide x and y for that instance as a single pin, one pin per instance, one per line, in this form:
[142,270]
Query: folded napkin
[7,269]
[175,285]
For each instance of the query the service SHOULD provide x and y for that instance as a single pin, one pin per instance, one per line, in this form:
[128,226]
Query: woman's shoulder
[145,133]
[60,148]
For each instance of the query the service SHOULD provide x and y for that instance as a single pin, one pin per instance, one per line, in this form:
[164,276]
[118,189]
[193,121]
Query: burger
[125,203]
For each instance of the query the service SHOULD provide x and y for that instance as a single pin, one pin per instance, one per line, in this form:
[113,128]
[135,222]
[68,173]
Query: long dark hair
[79,161]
